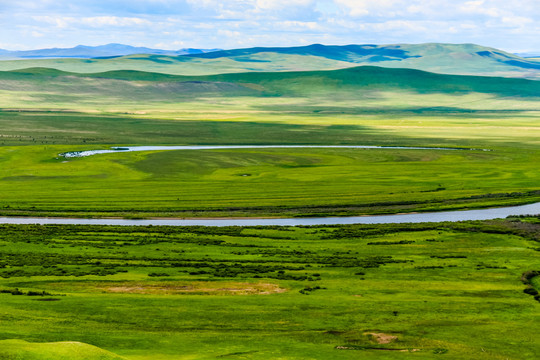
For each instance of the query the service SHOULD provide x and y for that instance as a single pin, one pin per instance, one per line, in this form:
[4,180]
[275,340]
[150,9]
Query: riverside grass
[264,182]
[316,292]
[261,182]
[51,112]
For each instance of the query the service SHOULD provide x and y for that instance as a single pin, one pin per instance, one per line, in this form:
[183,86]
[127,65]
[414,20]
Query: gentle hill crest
[344,81]
[456,59]
[108,50]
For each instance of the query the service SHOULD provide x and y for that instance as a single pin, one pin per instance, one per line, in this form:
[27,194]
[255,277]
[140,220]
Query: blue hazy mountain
[457,59]
[425,56]
[109,50]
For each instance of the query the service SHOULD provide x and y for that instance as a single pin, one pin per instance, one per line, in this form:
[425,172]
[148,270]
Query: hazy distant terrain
[84,52]
[459,59]
[358,89]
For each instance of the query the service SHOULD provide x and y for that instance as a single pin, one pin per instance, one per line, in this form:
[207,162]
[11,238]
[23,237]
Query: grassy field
[450,290]
[375,292]
[265,182]
[47,112]
[356,91]
[261,182]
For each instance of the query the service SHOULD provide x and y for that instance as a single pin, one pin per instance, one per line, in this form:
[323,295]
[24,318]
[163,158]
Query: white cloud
[369,7]
[299,25]
[280,4]
[99,21]
[401,25]
[169,45]
[96,21]
[229,33]
[480,7]
[236,23]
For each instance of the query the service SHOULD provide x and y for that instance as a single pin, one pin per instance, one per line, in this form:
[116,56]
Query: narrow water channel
[482,214]
[84,153]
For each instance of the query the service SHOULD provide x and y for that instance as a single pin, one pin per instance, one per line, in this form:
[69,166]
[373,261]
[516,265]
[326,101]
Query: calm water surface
[483,214]
[73,154]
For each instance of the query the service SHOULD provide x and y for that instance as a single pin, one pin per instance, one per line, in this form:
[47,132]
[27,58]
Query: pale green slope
[22,350]
[182,65]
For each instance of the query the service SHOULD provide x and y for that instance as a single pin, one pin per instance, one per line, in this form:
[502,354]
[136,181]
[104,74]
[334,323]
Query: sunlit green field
[266,182]
[375,292]
[47,112]
[35,180]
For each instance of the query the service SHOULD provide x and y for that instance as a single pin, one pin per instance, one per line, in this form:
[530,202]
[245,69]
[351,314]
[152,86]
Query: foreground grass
[17,349]
[378,292]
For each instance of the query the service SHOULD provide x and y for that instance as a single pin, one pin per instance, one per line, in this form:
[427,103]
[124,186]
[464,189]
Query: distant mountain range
[457,59]
[431,57]
[87,52]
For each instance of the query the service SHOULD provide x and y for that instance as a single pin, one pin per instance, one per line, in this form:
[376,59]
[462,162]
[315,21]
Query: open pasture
[62,112]
[261,182]
[419,291]
[451,290]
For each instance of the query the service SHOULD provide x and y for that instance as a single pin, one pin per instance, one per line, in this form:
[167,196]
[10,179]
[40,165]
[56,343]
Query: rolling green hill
[58,112]
[461,59]
[55,110]
[364,89]
[344,81]
[398,291]
[22,350]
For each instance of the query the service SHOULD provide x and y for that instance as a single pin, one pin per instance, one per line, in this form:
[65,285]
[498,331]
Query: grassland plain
[456,291]
[367,106]
[292,182]
[422,291]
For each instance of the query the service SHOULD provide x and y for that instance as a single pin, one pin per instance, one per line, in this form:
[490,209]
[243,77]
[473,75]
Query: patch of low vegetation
[529,279]
[266,292]
[400,242]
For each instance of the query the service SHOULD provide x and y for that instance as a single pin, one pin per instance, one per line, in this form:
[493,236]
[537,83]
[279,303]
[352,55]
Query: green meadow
[48,112]
[424,291]
[261,182]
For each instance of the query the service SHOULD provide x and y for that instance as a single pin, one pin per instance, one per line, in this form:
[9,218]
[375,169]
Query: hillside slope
[458,59]
[364,89]
[370,78]
[19,349]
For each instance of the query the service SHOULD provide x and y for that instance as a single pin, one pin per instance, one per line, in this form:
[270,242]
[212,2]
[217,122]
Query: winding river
[84,153]
[482,214]
[463,215]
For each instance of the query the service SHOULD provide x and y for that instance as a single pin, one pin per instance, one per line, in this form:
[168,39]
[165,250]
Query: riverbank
[463,215]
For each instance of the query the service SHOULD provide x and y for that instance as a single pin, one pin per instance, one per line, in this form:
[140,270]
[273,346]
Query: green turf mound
[69,350]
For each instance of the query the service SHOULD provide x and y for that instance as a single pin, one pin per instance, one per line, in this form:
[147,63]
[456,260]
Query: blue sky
[510,25]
